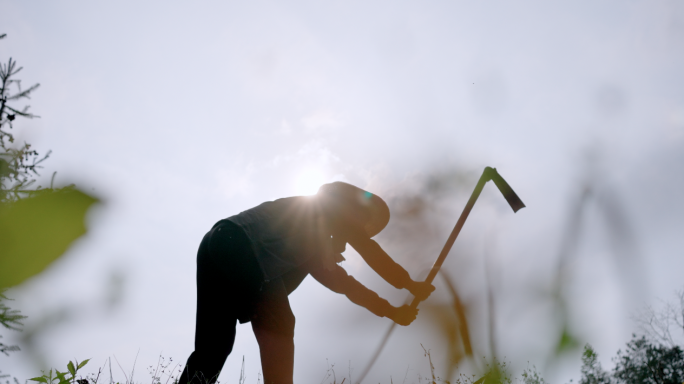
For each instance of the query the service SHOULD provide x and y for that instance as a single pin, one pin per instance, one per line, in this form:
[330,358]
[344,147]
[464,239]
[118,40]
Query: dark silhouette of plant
[16,168]
[10,319]
[641,363]
[18,164]
[592,373]
[531,376]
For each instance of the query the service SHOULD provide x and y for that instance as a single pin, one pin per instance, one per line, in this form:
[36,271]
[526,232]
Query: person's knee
[282,325]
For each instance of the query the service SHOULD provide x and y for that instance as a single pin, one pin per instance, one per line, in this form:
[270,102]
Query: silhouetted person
[249,263]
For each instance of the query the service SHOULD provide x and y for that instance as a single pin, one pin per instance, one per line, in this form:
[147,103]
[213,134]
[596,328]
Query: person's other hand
[403,315]
[421,289]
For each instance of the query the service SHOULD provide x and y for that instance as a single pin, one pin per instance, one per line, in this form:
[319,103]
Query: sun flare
[308,181]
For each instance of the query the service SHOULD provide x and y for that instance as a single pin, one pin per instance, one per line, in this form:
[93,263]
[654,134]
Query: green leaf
[63,379]
[71,368]
[40,379]
[35,231]
[84,362]
[61,376]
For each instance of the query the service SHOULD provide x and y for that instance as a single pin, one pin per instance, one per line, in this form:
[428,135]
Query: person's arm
[387,268]
[337,280]
[381,262]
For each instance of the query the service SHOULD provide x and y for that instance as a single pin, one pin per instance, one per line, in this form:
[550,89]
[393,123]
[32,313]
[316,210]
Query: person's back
[285,233]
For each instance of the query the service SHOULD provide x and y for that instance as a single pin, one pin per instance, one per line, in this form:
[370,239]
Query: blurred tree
[654,358]
[641,363]
[645,363]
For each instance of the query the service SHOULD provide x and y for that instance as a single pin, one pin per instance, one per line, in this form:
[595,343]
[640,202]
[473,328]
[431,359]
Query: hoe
[513,200]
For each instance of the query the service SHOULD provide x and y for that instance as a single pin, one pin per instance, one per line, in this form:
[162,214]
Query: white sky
[178,114]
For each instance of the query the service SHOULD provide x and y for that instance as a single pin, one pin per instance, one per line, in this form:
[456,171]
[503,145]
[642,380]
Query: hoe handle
[486,176]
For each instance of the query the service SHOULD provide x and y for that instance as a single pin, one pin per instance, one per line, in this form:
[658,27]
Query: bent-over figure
[248,264]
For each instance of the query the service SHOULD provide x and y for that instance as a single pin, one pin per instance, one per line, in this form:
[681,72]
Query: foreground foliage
[63,377]
[37,225]
[642,362]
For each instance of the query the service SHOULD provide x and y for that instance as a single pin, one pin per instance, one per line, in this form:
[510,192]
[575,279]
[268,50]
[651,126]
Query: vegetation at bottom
[643,361]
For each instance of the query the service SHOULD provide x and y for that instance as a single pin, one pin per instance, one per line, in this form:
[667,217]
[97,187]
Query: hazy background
[178,114]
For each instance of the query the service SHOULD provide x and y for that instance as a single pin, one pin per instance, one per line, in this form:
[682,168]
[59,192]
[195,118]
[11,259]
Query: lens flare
[308,181]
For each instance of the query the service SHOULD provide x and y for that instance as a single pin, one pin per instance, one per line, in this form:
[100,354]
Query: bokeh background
[178,114]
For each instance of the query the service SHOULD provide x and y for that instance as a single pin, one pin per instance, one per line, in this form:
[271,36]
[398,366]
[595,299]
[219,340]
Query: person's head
[346,204]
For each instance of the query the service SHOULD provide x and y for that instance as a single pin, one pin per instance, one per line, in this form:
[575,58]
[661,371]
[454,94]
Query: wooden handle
[486,176]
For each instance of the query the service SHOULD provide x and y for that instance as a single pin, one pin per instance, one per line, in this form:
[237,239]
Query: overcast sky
[178,114]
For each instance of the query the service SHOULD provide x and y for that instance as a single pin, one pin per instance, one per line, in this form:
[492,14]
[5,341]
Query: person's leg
[273,323]
[213,343]
[226,273]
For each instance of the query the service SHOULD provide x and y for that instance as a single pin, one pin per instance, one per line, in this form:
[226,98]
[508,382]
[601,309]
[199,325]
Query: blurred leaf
[566,342]
[60,376]
[447,325]
[84,362]
[37,230]
[71,368]
[39,379]
[460,311]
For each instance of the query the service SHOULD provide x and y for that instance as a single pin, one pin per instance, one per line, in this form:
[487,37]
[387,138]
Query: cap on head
[356,202]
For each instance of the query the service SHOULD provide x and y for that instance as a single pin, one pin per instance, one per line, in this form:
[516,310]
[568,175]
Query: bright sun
[308,181]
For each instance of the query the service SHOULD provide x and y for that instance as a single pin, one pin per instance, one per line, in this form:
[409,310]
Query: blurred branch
[10,318]
[18,165]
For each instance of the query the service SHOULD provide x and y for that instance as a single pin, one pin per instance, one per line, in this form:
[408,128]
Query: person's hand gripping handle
[405,314]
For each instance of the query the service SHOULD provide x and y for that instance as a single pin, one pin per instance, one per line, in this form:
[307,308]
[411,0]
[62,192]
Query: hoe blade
[506,190]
